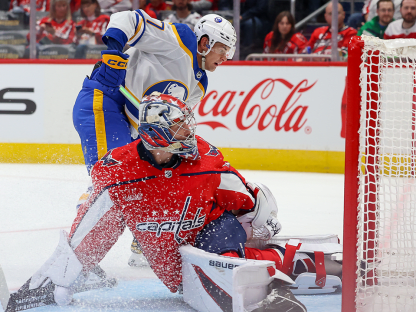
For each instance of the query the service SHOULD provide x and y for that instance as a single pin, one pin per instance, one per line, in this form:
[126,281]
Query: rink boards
[262,115]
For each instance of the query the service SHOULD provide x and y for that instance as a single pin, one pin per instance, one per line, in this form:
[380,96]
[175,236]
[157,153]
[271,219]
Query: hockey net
[380,171]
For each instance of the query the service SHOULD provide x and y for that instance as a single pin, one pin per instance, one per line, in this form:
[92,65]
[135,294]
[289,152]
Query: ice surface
[36,201]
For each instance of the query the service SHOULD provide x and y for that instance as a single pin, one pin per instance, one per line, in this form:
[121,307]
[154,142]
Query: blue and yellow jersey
[163,58]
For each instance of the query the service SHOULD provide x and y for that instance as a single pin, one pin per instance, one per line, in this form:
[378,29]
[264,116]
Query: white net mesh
[386,247]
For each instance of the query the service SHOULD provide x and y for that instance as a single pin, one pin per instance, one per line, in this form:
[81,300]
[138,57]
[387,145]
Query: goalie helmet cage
[380,185]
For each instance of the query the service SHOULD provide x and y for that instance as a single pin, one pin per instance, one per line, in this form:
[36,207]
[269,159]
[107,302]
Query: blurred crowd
[266,26]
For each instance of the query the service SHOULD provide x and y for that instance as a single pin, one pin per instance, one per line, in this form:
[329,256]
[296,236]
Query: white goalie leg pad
[216,283]
[62,268]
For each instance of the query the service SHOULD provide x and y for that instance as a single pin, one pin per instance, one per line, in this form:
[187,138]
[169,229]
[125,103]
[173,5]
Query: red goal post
[380,187]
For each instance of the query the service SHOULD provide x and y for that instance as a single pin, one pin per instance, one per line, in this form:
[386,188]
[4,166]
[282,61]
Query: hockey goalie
[192,215]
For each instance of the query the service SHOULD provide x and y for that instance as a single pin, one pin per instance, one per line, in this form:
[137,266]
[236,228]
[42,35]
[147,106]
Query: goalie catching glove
[262,222]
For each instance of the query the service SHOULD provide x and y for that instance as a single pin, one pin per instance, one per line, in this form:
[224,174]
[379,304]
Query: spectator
[224,5]
[204,5]
[377,26]
[253,25]
[404,27]
[92,28]
[58,27]
[17,7]
[110,6]
[24,5]
[157,6]
[320,41]
[372,9]
[142,6]
[357,20]
[313,5]
[113,6]
[283,39]
[183,14]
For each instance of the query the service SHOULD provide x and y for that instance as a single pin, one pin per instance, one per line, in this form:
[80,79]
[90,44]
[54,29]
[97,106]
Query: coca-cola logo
[283,110]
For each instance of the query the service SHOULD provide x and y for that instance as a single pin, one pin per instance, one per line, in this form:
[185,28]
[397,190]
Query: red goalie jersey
[163,207]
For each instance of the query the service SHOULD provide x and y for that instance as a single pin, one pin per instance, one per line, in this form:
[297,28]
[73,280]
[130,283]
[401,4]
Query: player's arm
[254,203]
[139,30]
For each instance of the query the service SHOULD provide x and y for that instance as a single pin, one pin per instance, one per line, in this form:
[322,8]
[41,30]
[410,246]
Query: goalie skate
[280,298]
[305,285]
[26,298]
[137,258]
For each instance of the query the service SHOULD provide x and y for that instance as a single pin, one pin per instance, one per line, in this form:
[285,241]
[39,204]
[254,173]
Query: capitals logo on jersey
[171,87]
[174,226]
[213,151]
[109,161]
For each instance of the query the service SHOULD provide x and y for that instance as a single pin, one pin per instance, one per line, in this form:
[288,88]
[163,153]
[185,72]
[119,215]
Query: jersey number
[161,27]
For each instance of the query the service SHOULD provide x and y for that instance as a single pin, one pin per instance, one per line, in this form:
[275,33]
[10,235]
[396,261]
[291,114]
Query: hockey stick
[4,291]
[26,298]
[129,97]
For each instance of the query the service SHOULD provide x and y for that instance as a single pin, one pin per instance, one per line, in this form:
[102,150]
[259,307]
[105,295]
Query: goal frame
[362,199]
[351,186]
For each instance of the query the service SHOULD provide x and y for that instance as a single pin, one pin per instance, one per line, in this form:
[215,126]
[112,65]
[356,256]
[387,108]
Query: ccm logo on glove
[115,61]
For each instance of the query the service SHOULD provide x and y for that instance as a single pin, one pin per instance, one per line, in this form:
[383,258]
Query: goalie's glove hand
[113,69]
[268,230]
[263,232]
[262,222]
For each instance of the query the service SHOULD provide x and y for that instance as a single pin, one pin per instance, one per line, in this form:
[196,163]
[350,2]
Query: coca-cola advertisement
[273,107]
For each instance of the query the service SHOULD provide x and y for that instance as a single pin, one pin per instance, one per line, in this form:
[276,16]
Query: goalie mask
[168,124]
[218,29]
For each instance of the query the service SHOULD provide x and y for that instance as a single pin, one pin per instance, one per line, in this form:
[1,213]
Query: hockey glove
[113,69]
[262,222]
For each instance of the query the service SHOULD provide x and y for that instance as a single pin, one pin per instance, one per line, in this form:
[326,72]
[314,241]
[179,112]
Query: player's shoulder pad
[206,149]
[116,160]
[187,36]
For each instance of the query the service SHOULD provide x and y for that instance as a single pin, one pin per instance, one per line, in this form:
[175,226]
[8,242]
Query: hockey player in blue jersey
[163,57]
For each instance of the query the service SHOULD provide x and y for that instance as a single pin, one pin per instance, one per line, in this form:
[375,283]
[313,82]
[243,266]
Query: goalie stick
[26,298]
